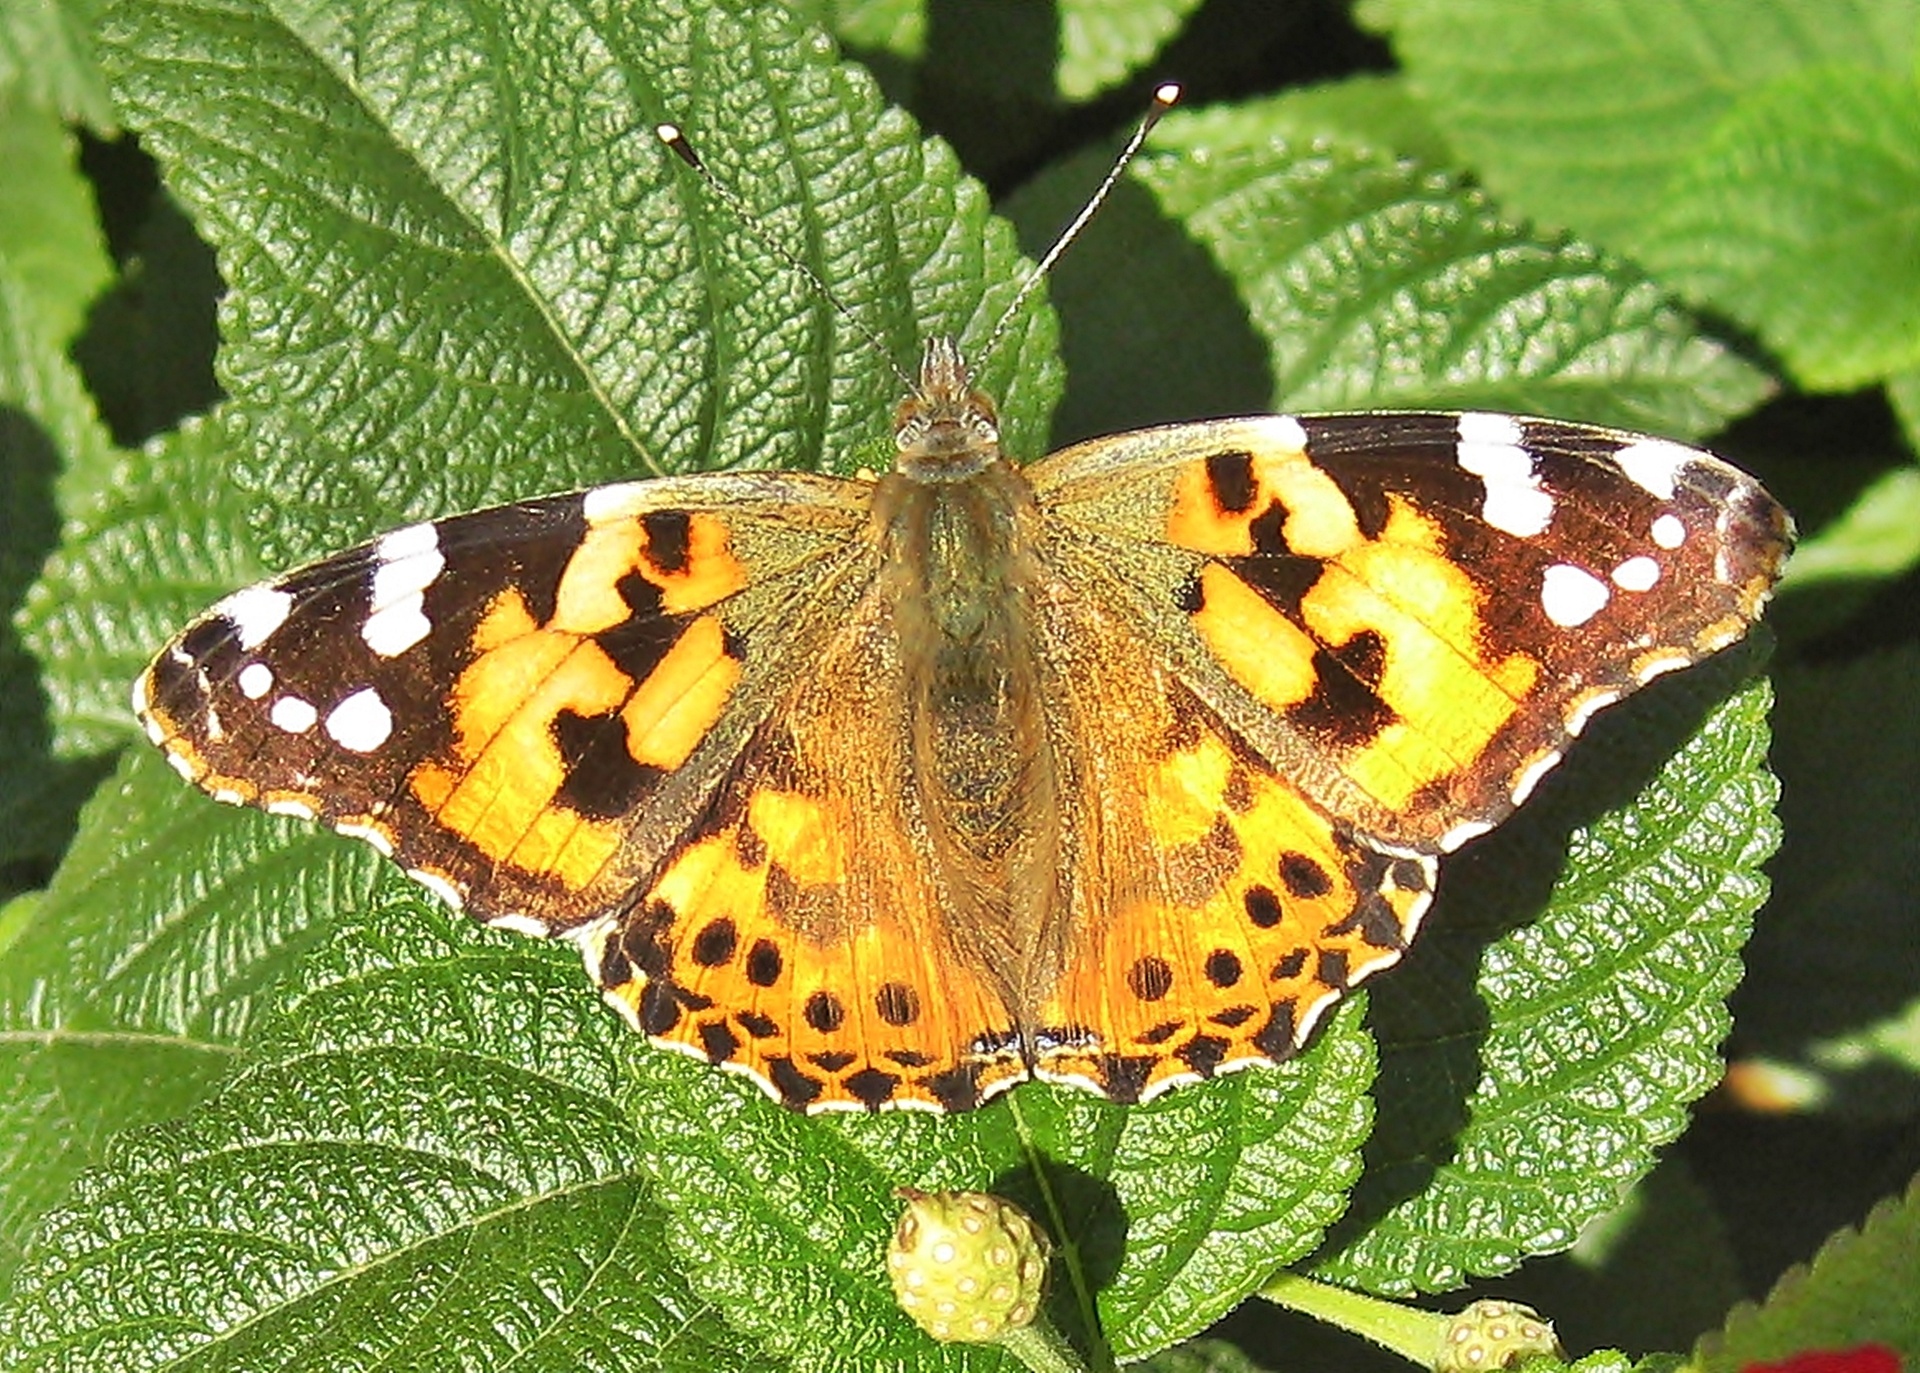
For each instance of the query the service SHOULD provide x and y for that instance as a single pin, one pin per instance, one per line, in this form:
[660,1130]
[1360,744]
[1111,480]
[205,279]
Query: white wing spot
[1669,532]
[1582,709]
[292,805]
[393,629]
[294,715]
[372,834]
[1571,595]
[1654,464]
[1491,448]
[1461,833]
[181,766]
[439,886]
[1636,574]
[400,544]
[360,723]
[1529,776]
[515,923]
[410,560]
[256,680]
[1287,432]
[255,613]
[142,693]
[620,501]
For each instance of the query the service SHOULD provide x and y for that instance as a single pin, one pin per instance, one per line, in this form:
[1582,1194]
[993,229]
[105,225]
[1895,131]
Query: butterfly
[1117,769]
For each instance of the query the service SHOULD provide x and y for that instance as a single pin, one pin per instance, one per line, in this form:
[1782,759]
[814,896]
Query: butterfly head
[945,430]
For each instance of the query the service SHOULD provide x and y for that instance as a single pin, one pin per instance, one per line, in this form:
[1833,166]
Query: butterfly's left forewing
[1410,615]
[523,706]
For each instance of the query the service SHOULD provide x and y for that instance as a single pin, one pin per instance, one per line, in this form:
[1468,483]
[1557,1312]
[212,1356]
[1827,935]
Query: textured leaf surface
[1580,115]
[1172,1212]
[1858,1290]
[135,562]
[1337,276]
[424,1168]
[1800,217]
[1594,1026]
[137,977]
[1652,1273]
[426,277]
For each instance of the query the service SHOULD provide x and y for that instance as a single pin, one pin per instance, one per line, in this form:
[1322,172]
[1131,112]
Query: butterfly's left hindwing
[525,705]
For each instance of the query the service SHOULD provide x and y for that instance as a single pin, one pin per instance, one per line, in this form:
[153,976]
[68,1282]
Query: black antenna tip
[670,135]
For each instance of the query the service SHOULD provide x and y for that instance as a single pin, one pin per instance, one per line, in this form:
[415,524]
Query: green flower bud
[1493,1335]
[966,1266]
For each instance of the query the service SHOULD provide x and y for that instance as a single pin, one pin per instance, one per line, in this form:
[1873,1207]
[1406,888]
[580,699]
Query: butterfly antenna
[671,135]
[1164,98]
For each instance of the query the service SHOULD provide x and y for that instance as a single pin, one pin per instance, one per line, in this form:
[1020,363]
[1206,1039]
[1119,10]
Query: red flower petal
[1866,1358]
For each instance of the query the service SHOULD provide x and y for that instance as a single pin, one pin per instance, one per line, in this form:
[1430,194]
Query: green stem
[1413,1334]
[1041,1349]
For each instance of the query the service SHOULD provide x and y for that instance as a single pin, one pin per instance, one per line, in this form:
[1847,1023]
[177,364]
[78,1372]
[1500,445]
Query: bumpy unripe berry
[1494,1335]
[967,1266]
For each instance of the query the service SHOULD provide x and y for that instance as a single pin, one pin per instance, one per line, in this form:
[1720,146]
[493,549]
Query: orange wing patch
[1370,641]
[794,936]
[559,724]
[1261,912]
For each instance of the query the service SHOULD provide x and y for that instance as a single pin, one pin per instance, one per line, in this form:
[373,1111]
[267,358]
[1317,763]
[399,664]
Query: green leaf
[893,26]
[139,974]
[49,238]
[425,1167]
[1799,218]
[1201,1356]
[1097,45]
[1372,111]
[46,55]
[46,420]
[1580,115]
[1904,393]
[17,916]
[1103,42]
[134,563]
[1172,1213]
[1511,1118]
[1858,1290]
[1878,537]
[1332,275]
[1649,1274]
[516,266]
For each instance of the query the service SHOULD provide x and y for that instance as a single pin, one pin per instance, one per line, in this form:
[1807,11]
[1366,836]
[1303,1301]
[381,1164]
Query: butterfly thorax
[958,528]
